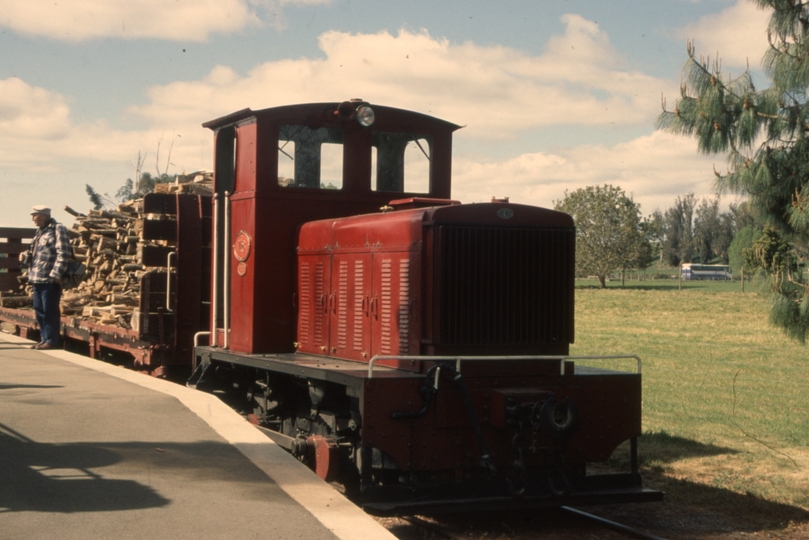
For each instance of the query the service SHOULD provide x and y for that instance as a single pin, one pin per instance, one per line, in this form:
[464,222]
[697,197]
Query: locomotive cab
[279,168]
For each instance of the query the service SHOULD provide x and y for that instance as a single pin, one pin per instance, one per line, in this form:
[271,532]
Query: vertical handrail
[168,280]
[226,250]
[196,344]
[215,270]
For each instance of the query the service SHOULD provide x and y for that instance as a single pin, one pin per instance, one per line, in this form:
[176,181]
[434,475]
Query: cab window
[310,158]
[401,162]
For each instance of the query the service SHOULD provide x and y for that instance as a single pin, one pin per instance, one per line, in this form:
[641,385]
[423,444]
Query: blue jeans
[46,307]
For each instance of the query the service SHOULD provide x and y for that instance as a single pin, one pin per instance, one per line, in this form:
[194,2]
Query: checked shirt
[50,251]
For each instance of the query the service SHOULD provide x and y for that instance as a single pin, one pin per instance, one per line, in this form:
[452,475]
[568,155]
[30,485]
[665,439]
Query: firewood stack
[108,242]
[196,183]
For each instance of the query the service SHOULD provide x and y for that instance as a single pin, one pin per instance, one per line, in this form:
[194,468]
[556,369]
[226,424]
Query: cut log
[16,301]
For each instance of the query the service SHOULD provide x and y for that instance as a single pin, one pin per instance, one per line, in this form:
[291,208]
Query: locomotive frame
[413,348]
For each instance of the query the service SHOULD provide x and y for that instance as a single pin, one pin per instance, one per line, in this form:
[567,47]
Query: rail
[615,526]
[226,254]
[215,269]
[168,280]
[459,359]
[196,344]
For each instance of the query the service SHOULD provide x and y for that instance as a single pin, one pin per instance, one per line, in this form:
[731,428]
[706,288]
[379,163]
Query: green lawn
[715,373]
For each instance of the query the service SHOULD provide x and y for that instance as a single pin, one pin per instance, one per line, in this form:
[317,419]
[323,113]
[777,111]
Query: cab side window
[310,158]
[401,162]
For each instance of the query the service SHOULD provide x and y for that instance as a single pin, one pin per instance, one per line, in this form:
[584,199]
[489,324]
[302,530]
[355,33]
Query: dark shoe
[46,345]
[36,345]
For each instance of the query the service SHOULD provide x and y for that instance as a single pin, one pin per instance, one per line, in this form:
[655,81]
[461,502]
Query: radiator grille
[359,305]
[306,305]
[342,305]
[505,286]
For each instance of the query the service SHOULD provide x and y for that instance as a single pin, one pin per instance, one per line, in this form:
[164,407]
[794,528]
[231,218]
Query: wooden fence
[13,241]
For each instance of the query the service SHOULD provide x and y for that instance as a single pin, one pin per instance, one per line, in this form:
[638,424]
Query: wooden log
[72,212]
[104,243]
[90,311]
[95,223]
[16,301]
[109,214]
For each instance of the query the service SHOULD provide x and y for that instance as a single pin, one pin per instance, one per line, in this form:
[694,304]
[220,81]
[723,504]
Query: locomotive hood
[404,228]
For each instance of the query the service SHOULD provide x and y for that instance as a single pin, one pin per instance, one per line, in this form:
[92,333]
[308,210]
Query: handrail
[196,344]
[458,359]
[226,251]
[168,280]
[199,335]
[215,269]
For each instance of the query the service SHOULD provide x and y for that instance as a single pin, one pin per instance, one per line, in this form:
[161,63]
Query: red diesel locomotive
[413,348]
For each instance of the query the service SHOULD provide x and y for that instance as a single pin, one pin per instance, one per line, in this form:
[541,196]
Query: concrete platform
[93,451]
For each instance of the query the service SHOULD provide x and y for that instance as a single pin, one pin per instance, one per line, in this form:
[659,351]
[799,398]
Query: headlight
[365,115]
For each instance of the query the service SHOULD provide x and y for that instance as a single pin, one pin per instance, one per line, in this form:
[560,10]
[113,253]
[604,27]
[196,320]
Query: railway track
[437,529]
[615,526]
[446,531]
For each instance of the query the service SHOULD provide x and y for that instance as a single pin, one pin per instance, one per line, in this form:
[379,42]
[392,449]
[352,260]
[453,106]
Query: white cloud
[46,157]
[495,90]
[28,113]
[737,34]
[37,133]
[180,20]
[654,169]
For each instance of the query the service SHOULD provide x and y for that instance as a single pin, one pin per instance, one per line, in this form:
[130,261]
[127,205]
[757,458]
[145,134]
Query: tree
[96,198]
[655,232]
[742,216]
[707,226]
[609,236]
[678,227]
[764,133]
[724,236]
[134,189]
[645,247]
[773,255]
[742,242]
[146,184]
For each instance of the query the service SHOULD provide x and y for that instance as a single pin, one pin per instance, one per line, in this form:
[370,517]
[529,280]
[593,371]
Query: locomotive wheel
[559,420]
[322,454]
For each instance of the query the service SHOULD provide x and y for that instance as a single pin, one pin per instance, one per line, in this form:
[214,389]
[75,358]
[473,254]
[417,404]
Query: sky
[554,95]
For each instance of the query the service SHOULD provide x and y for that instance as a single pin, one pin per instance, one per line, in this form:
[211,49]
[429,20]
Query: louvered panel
[305,310]
[385,307]
[505,286]
[342,305]
[320,290]
[404,306]
[359,305]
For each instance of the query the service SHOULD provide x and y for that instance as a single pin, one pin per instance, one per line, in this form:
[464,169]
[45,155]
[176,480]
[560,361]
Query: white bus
[706,271]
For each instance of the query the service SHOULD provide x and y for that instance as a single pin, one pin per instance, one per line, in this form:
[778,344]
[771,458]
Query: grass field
[726,396]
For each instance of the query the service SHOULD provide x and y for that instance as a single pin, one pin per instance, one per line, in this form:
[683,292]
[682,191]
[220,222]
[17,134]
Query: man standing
[47,259]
